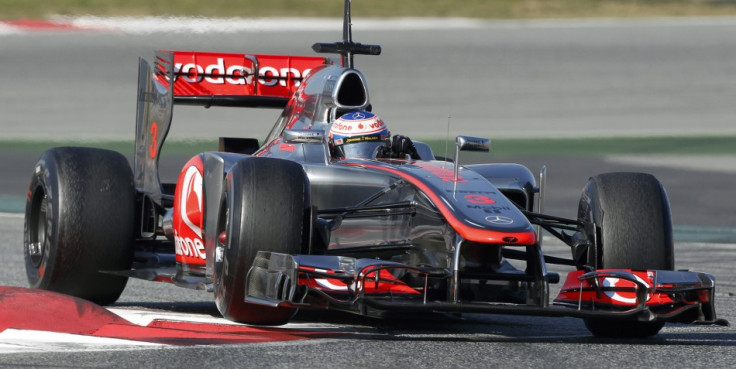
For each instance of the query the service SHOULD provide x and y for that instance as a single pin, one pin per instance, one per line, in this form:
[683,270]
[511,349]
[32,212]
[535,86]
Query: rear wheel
[79,221]
[266,208]
[633,231]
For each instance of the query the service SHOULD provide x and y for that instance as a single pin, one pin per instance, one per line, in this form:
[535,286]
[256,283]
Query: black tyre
[266,208]
[633,231]
[80,220]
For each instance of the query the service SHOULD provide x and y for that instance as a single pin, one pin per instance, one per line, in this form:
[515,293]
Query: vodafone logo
[219,74]
[191,201]
[440,172]
[189,247]
[623,297]
[190,211]
[341,128]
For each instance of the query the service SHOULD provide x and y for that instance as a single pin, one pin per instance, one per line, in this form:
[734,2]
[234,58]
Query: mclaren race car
[292,222]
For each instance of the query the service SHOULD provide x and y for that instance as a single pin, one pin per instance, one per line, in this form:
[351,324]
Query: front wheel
[633,230]
[266,208]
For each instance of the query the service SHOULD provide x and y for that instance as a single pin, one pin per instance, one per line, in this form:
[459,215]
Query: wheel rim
[219,254]
[37,233]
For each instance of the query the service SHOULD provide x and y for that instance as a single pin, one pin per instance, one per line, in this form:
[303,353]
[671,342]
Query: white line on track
[27,341]
[146,317]
[8,30]
[15,341]
[144,25]
[236,25]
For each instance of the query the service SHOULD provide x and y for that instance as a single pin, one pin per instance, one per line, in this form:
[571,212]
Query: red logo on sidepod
[188,203]
[480,199]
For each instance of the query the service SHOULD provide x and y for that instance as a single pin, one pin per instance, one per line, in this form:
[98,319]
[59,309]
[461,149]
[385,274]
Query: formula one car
[294,223]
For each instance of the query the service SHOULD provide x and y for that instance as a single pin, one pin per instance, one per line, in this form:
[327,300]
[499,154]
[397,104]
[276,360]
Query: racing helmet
[357,134]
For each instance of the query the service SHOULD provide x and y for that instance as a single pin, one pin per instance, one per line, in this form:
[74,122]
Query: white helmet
[357,135]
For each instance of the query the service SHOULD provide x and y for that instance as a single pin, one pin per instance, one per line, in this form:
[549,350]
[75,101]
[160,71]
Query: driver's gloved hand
[401,146]
[397,148]
[384,151]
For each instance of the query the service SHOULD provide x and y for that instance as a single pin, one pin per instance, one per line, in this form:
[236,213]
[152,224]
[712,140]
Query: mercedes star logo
[497,219]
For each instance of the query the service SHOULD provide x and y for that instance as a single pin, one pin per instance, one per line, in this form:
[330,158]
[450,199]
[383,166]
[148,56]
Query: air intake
[351,91]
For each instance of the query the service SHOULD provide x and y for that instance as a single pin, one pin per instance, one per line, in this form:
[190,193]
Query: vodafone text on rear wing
[223,79]
[205,79]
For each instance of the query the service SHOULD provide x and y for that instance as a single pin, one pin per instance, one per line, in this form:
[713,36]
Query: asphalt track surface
[504,79]
[472,340]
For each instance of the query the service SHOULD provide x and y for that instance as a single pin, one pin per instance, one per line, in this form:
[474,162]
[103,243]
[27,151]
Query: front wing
[370,285]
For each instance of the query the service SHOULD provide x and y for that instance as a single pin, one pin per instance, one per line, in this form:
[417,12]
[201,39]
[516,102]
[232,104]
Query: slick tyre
[266,208]
[633,231]
[79,221]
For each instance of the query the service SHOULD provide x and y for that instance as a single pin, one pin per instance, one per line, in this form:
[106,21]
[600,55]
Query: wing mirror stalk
[468,143]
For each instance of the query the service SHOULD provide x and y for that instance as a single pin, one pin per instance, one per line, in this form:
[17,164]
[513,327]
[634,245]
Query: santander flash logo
[235,74]
[190,211]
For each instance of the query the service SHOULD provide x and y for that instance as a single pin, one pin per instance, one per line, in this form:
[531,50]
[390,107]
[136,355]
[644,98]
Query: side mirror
[308,136]
[468,143]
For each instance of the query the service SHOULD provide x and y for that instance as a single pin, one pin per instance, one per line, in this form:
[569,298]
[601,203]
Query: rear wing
[221,79]
[206,79]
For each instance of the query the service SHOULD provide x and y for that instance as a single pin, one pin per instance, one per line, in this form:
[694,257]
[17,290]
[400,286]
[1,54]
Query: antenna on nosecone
[347,48]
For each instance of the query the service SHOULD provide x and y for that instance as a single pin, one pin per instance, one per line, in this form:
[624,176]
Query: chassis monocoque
[274,228]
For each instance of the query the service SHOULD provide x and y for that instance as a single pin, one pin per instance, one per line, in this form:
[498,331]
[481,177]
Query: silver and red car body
[391,234]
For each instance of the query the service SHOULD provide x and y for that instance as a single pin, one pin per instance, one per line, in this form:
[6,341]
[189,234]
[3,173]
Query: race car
[331,212]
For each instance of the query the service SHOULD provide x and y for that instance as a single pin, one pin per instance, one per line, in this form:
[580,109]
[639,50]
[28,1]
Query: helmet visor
[361,149]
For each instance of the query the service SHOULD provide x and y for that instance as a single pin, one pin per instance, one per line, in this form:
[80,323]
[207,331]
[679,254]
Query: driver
[361,134]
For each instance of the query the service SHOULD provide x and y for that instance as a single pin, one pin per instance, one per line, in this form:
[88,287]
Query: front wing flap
[350,284]
[664,295]
[318,280]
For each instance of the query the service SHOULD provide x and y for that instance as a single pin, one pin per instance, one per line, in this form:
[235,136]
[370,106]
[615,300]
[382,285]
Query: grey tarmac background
[495,79]
[503,79]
